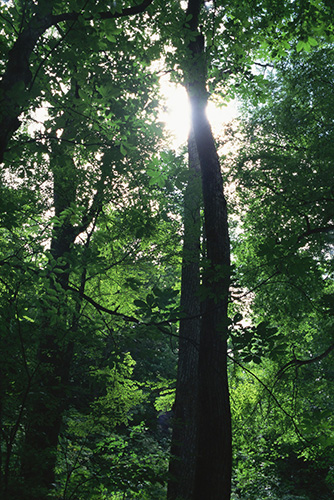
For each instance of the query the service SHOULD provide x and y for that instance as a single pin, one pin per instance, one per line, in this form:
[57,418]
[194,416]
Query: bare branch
[132,319]
[302,362]
[317,230]
[298,432]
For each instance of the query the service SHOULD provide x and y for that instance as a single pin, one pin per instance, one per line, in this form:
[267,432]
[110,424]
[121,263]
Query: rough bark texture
[213,468]
[214,450]
[183,448]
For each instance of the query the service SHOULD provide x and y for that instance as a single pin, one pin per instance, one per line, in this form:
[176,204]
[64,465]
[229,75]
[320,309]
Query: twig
[273,397]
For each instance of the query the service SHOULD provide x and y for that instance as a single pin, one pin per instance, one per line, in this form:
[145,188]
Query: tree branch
[273,397]
[302,362]
[317,230]
[17,71]
[113,312]
[129,11]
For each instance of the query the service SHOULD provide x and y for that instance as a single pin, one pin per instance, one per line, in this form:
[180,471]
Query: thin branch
[302,362]
[316,230]
[264,282]
[272,396]
[79,486]
[265,66]
[161,325]
[113,264]
[10,23]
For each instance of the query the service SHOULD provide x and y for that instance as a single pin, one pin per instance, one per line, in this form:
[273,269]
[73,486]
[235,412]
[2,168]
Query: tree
[183,447]
[284,257]
[90,226]
[86,126]
[213,460]
[213,464]
[31,23]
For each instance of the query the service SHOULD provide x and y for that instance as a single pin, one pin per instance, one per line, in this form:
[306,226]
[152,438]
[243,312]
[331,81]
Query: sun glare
[176,114]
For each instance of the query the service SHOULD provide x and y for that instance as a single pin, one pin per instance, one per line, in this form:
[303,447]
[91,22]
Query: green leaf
[312,41]
[150,299]
[140,303]
[262,328]
[110,37]
[29,319]
[238,317]
[300,46]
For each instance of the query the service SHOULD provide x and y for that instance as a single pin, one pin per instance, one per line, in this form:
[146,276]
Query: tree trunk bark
[41,440]
[214,462]
[214,448]
[183,448]
[54,354]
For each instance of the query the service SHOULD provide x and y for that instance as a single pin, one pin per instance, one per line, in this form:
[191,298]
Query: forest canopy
[166,316]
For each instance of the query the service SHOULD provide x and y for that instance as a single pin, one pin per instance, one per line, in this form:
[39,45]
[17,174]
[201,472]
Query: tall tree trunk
[41,440]
[54,353]
[183,448]
[214,453]
[214,449]
[56,345]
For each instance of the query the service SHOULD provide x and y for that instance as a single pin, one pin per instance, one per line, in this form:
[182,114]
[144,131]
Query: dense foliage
[91,233]
[284,259]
